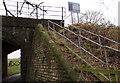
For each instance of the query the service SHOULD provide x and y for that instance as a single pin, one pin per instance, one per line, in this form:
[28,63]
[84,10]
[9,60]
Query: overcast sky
[108,7]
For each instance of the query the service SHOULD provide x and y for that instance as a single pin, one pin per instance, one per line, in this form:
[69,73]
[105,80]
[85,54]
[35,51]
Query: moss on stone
[44,46]
[52,48]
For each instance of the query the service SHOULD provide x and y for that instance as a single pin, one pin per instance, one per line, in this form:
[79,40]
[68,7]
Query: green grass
[13,69]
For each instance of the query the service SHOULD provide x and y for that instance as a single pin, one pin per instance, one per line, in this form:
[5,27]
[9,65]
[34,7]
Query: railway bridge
[41,59]
[20,33]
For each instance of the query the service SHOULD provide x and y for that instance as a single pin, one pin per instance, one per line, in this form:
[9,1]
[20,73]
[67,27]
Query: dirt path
[13,78]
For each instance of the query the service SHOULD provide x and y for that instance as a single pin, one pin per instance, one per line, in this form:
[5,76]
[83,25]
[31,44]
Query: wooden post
[36,12]
[43,12]
[28,11]
[17,9]
[5,8]
[62,13]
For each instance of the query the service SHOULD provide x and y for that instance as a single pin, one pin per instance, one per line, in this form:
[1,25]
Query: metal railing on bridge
[112,74]
[30,10]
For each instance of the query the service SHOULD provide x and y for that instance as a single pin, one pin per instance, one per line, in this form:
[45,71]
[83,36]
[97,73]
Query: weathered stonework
[45,61]
[41,60]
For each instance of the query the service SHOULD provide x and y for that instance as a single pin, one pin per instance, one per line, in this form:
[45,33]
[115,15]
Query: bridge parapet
[17,32]
[8,21]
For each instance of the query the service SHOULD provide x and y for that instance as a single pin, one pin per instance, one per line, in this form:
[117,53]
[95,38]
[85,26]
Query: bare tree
[93,17]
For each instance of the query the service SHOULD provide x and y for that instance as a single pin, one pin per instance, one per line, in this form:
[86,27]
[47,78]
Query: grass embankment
[110,32]
[13,66]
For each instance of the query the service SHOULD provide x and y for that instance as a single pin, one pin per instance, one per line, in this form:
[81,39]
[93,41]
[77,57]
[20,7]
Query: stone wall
[14,38]
[41,59]
[47,62]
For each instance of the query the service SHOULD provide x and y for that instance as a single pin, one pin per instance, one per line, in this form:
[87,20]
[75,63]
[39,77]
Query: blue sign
[74,7]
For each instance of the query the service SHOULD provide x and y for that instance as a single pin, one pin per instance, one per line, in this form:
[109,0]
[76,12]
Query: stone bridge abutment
[17,33]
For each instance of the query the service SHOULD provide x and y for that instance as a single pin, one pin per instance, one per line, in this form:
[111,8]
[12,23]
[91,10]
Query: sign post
[72,17]
[74,8]
[78,17]
[119,13]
